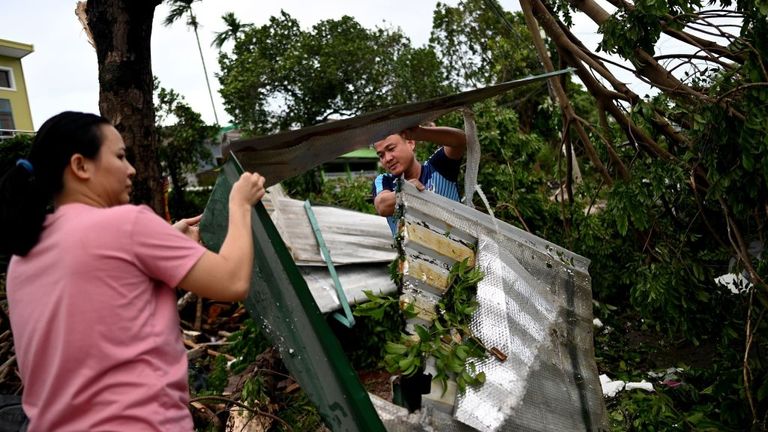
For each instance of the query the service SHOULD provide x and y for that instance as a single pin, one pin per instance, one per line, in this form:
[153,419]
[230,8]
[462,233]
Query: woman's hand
[190,227]
[248,190]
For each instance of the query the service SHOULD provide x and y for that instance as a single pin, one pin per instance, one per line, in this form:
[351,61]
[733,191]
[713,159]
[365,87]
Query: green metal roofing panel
[281,303]
[367,153]
[227,128]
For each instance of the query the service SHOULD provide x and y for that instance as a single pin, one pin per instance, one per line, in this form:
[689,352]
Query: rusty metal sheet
[287,154]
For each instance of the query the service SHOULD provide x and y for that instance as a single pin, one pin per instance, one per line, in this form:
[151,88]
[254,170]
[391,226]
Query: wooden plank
[428,276]
[420,237]
[424,305]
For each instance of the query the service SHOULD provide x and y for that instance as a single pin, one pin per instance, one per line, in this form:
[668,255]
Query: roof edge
[15,49]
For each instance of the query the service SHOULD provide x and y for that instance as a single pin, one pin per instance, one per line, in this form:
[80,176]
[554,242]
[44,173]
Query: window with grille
[6,78]
[6,117]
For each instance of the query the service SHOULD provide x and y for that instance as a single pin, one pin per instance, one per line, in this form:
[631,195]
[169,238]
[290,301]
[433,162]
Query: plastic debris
[642,385]
[610,388]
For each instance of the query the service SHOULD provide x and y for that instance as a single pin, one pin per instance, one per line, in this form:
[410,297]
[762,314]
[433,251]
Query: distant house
[361,162]
[15,114]
[226,136]
[207,172]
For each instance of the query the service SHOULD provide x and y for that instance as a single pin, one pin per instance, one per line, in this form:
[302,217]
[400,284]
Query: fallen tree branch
[243,406]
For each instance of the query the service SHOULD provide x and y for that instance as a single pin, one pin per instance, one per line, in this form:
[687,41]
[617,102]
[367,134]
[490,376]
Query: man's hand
[190,227]
[385,201]
[417,183]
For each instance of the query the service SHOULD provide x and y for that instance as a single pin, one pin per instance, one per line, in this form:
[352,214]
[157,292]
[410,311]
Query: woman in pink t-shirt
[91,285]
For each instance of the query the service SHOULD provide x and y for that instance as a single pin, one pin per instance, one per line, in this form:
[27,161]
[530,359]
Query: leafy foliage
[247,343]
[695,385]
[449,341]
[232,32]
[480,44]
[639,25]
[217,380]
[346,192]
[300,413]
[183,135]
[378,321]
[280,76]
[13,149]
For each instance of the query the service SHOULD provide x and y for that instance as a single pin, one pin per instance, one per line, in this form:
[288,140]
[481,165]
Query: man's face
[395,154]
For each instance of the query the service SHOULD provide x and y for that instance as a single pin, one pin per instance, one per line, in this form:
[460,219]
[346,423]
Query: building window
[6,78]
[6,118]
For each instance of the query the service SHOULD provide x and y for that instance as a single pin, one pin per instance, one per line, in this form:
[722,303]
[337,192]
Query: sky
[62,73]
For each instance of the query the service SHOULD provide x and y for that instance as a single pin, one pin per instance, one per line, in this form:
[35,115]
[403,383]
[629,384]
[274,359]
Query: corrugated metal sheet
[351,237]
[535,306]
[360,246]
[281,304]
[354,280]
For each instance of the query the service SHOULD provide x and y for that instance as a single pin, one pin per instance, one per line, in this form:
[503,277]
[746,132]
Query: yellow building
[15,114]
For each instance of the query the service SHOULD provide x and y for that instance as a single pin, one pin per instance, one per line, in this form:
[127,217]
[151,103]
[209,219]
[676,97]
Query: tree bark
[122,30]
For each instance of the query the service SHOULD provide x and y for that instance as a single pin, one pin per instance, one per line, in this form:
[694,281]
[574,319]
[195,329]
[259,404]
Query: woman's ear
[80,167]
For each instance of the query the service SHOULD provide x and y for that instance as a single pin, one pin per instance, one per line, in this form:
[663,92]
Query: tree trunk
[178,183]
[121,31]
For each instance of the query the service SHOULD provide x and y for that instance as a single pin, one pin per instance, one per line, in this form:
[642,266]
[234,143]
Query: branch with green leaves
[449,340]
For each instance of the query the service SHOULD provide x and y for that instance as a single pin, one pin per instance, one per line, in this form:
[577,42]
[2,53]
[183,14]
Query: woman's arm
[227,275]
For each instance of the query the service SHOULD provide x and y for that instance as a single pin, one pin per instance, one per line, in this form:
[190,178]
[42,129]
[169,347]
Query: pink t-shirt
[95,324]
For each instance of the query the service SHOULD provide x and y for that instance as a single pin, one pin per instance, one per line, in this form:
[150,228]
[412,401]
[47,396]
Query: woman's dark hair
[25,195]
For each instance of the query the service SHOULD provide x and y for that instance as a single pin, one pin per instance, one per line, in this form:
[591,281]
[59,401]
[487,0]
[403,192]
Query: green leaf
[395,348]
[455,365]
[422,332]
[762,392]
[461,352]
[406,363]
[410,370]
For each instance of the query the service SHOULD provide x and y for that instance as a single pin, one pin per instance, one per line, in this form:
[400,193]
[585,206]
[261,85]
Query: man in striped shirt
[438,174]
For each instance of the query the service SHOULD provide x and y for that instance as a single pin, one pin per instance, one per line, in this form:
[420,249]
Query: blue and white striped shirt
[439,174]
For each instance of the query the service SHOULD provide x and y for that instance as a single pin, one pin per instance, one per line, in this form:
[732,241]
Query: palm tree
[233,30]
[179,8]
